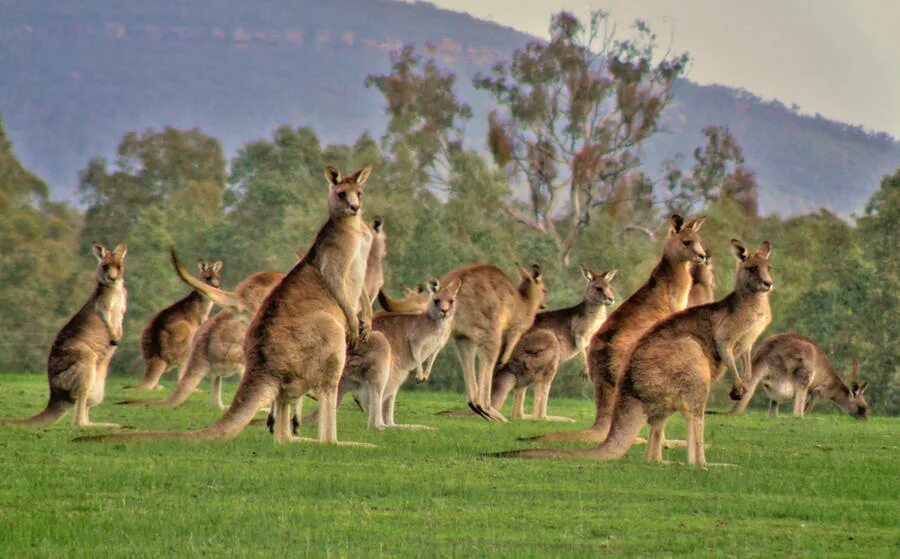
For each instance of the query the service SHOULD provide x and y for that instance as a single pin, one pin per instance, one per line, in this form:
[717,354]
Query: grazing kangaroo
[673,365]
[554,338]
[491,315]
[793,367]
[664,293]
[702,283]
[217,350]
[413,341]
[166,340]
[80,355]
[298,339]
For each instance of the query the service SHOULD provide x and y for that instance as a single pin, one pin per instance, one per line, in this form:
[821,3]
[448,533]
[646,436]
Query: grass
[823,486]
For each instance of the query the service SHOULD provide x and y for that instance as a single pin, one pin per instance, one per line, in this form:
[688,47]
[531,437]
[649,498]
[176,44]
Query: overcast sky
[840,58]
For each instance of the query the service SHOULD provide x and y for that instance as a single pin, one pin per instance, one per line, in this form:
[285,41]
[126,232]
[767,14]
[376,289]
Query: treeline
[589,201]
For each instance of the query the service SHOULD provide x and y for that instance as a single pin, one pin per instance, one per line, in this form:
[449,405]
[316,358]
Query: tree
[574,113]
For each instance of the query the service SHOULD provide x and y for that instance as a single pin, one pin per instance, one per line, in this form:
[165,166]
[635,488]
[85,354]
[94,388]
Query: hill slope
[75,76]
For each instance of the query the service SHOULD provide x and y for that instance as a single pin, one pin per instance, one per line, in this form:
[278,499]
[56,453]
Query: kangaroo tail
[249,398]
[628,418]
[196,371]
[398,305]
[226,299]
[55,409]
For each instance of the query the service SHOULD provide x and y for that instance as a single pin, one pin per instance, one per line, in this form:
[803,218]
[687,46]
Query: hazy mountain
[76,75]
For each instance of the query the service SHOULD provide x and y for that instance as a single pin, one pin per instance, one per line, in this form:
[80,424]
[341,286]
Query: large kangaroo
[793,367]
[217,349]
[79,358]
[166,340]
[297,341]
[665,293]
[673,365]
[554,338]
[491,315]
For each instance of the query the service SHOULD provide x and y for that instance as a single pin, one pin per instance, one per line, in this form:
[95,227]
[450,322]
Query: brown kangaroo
[217,349]
[554,338]
[491,315]
[793,367]
[79,358]
[673,365]
[411,342]
[665,293]
[166,340]
[702,283]
[297,341]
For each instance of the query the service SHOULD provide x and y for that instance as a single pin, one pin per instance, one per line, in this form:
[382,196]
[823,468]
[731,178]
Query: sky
[840,58]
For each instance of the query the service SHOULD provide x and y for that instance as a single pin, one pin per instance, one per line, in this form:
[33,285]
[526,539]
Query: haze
[837,58]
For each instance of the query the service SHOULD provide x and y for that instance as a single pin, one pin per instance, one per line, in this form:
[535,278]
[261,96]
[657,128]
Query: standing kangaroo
[702,283]
[491,315]
[298,339]
[554,338]
[217,349]
[400,344]
[79,358]
[166,340]
[793,367]
[673,365]
[664,293]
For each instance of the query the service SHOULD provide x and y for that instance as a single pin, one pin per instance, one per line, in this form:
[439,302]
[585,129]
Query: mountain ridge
[75,77]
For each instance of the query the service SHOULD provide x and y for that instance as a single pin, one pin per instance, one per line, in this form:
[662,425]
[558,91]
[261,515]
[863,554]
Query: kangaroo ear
[454,287]
[586,272]
[764,248]
[360,177]
[201,265]
[433,285]
[608,276]
[740,250]
[536,273]
[99,250]
[523,273]
[695,224]
[333,176]
[676,222]
[121,251]
[378,224]
[862,387]
[217,266]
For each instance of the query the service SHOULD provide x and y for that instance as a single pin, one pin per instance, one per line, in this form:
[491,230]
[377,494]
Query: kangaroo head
[209,273]
[111,266]
[702,272]
[532,287]
[345,197]
[683,243]
[851,400]
[379,240]
[442,304]
[598,289]
[754,272]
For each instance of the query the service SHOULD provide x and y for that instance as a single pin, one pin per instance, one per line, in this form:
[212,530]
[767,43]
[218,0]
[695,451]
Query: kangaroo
[673,365]
[554,338]
[217,349]
[793,367]
[166,340]
[702,283]
[664,293]
[297,342]
[79,358]
[491,315]
[413,343]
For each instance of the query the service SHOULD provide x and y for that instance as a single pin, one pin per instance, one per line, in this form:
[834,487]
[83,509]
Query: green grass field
[823,486]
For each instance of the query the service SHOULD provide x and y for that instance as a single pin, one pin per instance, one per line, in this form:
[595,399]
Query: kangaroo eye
[687,243]
[752,269]
[342,195]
